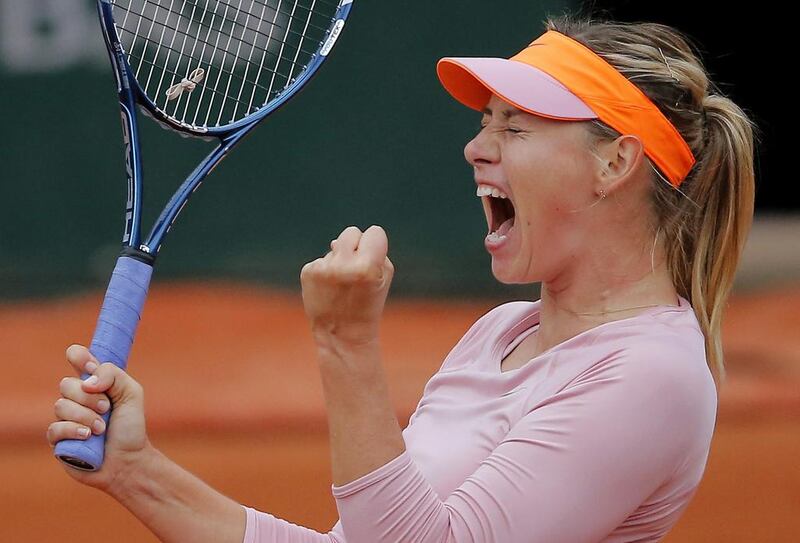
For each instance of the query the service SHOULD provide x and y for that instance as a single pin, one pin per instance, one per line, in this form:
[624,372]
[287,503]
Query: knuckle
[361,272]
[136,387]
[51,434]
[107,369]
[64,385]
[317,268]
[72,350]
[57,431]
[311,268]
[66,411]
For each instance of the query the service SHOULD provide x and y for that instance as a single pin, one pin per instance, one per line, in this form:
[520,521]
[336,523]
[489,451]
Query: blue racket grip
[112,341]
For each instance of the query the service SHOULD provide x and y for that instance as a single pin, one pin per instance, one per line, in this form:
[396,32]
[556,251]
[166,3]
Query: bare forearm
[364,430]
[177,506]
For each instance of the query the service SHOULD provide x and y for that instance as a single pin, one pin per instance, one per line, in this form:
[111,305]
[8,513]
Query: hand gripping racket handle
[113,337]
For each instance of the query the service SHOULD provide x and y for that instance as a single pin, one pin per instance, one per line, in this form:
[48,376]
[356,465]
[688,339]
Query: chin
[510,277]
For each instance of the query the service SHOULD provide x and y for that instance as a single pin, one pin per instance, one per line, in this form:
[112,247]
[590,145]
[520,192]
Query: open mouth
[500,214]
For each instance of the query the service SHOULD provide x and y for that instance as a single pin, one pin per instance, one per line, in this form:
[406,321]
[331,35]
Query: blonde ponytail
[706,221]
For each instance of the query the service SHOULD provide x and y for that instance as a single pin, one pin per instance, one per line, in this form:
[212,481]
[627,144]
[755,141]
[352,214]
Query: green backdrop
[373,140]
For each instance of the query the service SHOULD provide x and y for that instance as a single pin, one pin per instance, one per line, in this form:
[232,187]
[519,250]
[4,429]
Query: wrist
[343,341]
[134,474]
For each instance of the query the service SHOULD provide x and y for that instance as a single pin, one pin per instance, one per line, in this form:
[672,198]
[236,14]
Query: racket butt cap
[77,463]
[85,455]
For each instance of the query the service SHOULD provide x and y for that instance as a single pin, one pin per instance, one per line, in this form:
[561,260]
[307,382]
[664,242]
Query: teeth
[495,237]
[487,190]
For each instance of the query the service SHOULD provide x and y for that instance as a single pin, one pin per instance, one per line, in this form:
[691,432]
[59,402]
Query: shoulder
[668,345]
[656,365]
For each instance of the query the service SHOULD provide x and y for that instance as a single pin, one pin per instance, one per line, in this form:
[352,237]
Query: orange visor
[560,78]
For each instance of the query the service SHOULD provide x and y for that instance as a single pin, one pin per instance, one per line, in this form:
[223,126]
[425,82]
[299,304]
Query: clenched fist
[344,292]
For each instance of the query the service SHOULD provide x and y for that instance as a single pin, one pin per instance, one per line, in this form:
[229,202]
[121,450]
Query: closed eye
[509,129]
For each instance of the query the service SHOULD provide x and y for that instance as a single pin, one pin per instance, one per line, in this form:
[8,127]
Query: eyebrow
[507,113]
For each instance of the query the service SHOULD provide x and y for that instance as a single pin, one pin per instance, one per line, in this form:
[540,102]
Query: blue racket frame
[130,280]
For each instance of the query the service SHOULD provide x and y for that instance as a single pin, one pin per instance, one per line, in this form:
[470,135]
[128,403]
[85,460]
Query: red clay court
[233,394]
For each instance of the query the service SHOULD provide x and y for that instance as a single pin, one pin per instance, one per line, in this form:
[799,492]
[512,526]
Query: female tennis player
[612,171]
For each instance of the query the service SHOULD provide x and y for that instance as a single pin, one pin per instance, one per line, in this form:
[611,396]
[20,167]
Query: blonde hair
[705,221]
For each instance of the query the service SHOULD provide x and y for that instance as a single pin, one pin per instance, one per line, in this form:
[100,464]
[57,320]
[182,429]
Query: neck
[591,298]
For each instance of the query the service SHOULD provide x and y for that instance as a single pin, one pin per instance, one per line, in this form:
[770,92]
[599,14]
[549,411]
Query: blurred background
[223,349]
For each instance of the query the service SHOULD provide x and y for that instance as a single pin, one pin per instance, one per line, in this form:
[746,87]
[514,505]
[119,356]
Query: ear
[619,163]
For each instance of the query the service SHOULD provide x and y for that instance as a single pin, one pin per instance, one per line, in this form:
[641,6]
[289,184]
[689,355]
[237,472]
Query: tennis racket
[206,68]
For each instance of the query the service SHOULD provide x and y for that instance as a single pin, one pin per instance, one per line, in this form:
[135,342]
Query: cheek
[551,184]
[566,196]
[574,183]
[540,230]
[544,205]
[549,224]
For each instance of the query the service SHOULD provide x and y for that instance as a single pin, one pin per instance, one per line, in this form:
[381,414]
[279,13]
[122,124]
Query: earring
[602,194]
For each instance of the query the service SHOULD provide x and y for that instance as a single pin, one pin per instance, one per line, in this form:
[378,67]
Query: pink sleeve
[572,469]
[265,528]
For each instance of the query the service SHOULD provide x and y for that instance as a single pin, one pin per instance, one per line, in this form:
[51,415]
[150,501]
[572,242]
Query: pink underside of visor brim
[472,81]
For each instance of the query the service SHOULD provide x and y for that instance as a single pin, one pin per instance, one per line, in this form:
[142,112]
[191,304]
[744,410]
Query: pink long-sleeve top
[602,438]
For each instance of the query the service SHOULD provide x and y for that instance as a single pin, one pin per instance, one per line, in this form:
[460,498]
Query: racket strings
[262,5]
[143,61]
[201,24]
[223,19]
[167,26]
[210,63]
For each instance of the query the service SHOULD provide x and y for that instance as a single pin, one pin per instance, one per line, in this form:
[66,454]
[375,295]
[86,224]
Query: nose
[482,149]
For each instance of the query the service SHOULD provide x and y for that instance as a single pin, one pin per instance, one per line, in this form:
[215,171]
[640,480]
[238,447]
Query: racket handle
[113,337]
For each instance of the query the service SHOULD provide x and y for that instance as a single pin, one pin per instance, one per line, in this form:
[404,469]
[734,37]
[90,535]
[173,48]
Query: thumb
[115,383]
